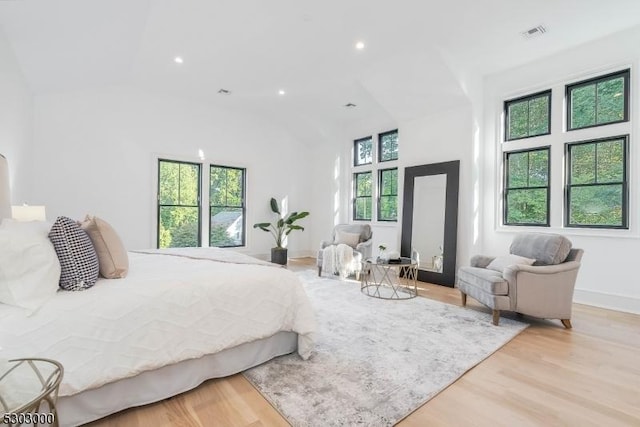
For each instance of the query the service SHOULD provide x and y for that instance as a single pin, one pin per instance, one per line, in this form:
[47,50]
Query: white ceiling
[415,49]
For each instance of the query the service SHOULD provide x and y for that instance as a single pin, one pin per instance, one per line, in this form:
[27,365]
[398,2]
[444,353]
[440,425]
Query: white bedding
[168,309]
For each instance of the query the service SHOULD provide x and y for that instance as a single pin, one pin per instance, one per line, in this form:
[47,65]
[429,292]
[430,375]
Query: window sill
[581,232]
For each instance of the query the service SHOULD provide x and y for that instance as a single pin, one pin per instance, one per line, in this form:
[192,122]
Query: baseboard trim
[623,303]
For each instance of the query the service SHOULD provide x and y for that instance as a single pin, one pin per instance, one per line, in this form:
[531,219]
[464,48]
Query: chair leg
[496,317]
[464,298]
[566,323]
[319,271]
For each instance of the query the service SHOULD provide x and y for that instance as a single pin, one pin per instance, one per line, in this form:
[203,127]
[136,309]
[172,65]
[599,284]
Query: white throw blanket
[339,259]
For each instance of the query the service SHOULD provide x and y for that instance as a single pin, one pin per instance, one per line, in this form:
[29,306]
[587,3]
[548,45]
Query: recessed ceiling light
[281,92]
[178,60]
[360,45]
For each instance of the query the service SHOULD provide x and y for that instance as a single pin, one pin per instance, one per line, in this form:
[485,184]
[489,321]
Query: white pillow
[29,266]
[351,239]
[501,262]
[40,227]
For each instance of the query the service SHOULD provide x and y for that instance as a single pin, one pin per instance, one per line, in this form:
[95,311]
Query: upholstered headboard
[5,198]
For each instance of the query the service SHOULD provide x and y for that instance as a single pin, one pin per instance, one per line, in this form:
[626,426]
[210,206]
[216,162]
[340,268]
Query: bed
[180,317]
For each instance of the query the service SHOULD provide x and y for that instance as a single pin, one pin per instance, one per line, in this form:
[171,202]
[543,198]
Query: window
[388,199]
[178,204]
[226,206]
[526,195]
[363,191]
[379,195]
[598,101]
[596,193]
[363,151]
[388,146]
[528,116]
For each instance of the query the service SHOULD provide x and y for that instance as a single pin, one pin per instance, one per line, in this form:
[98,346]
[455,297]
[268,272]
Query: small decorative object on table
[382,254]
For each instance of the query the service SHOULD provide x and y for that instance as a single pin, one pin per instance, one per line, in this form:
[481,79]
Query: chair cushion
[350,239]
[545,248]
[489,281]
[501,262]
[364,230]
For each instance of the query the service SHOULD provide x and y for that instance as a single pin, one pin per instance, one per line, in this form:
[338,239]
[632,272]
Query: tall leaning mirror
[430,219]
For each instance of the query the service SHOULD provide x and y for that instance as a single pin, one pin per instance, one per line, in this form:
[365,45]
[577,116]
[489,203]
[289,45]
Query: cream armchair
[543,289]
[361,244]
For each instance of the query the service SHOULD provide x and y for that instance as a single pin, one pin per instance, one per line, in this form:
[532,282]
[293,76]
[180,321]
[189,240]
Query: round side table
[388,279]
[25,384]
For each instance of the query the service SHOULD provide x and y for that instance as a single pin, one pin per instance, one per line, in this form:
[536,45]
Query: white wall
[436,138]
[440,138]
[94,153]
[608,276]
[16,112]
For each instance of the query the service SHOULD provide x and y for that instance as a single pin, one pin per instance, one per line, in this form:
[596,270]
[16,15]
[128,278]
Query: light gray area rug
[376,360]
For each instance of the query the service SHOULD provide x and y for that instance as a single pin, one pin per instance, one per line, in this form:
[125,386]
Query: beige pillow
[502,262]
[112,256]
[351,239]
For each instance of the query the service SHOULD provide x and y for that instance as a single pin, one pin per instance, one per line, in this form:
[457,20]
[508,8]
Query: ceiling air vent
[224,92]
[349,105]
[534,32]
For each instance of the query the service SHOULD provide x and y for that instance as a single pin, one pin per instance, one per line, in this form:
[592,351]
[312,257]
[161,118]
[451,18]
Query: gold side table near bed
[389,279]
[25,385]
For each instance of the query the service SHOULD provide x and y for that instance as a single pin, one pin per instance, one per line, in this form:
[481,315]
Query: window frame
[356,197]
[547,93]
[380,195]
[380,136]
[625,74]
[159,205]
[625,182]
[355,151]
[243,205]
[506,188]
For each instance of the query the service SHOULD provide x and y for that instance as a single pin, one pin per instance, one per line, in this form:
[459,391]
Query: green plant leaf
[274,206]
[262,226]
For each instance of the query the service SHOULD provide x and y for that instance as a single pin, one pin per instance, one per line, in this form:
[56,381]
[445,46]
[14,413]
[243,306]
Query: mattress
[171,307]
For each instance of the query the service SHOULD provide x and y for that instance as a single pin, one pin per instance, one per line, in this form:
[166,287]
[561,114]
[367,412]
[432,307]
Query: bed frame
[170,380]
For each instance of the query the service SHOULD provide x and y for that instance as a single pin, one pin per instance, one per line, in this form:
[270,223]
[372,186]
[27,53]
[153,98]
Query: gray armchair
[544,289]
[362,247]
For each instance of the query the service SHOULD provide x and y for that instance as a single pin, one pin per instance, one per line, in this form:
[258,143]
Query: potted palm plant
[281,229]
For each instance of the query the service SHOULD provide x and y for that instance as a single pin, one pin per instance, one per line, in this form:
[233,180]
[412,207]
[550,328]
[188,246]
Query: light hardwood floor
[546,376]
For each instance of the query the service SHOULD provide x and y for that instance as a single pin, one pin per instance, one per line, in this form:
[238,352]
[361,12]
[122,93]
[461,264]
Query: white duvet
[168,309]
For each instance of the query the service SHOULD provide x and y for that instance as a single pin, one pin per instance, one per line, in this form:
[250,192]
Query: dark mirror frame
[452,171]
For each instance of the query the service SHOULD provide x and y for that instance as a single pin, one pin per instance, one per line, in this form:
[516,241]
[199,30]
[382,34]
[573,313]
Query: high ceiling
[415,50]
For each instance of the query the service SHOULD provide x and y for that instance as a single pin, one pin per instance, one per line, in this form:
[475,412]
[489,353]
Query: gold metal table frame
[389,280]
[48,388]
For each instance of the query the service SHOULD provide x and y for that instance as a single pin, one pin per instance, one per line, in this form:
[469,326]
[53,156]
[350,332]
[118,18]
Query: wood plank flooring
[546,376]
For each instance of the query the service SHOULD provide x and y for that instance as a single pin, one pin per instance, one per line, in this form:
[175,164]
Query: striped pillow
[78,259]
